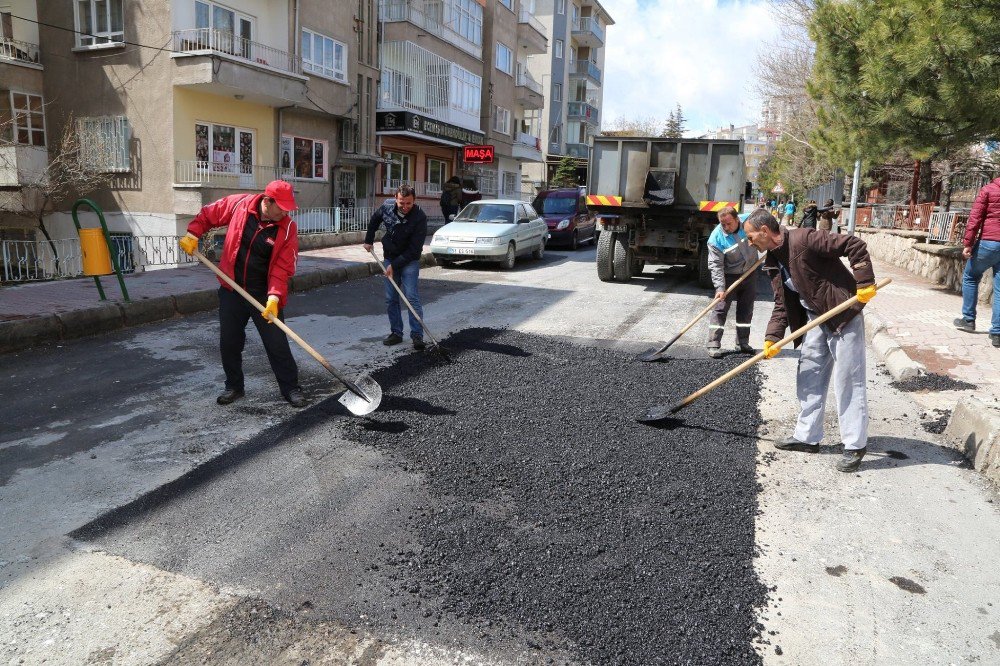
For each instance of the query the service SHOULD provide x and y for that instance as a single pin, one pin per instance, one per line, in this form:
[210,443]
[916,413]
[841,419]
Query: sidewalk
[42,312]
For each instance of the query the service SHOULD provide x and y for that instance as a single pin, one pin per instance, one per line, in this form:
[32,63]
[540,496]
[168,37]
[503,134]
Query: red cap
[281,192]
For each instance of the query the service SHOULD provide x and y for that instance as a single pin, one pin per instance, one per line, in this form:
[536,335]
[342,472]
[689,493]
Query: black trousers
[744,296]
[234,311]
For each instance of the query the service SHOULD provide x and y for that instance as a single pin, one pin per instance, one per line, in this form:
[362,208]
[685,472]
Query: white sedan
[491,230]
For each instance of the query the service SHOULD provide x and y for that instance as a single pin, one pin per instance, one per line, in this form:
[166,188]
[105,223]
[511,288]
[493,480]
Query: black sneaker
[964,324]
[792,444]
[715,352]
[392,339]
[296,398]
[230,396]
[418,344]
[851,460]
[995,339]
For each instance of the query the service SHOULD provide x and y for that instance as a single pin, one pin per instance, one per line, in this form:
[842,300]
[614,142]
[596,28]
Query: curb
[974,431]
[889,352]
[21,334]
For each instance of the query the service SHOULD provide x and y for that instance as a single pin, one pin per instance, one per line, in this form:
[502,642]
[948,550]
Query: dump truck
[656,200]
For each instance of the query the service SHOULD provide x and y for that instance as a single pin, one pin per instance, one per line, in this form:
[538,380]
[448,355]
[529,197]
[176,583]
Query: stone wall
[939,263]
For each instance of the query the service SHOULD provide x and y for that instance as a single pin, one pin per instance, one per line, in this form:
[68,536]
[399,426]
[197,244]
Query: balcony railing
[226,175]
[588,25]
[438,19]
[526,81]
[529,140]
[577,150]
[583,111]
[528,18]
[11,49]
[197,41]
[332,220]
[587,68]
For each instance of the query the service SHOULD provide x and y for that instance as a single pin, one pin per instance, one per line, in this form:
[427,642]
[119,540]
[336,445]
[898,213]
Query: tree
[565,175]
[623,126]
[674,128]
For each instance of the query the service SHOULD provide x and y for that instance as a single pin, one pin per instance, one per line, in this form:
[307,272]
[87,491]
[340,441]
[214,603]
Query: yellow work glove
[770,351]
[189,243]
[271,310]
[866,294]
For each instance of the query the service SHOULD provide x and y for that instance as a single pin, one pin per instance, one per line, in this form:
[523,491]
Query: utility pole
[854,197]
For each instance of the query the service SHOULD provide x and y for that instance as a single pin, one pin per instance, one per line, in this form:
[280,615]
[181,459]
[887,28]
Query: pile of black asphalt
[559,517]
[932,382]
[506,505]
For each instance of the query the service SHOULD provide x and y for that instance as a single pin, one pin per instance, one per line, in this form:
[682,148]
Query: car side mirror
[523,220]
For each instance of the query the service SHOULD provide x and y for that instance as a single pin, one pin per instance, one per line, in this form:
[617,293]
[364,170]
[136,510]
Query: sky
[698,53]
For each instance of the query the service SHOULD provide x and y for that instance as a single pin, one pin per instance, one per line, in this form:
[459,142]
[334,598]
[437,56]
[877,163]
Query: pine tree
[565,175]
[674,127]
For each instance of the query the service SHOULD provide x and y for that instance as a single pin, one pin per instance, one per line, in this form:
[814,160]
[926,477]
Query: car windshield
[488,213]
[558,205]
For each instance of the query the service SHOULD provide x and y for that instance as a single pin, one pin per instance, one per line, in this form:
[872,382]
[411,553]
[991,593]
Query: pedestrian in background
[827,214]
[729,256]
[451,198]
[981,246]
[259,254]
[810,215]
[809,279]
[402,244]
[789,218]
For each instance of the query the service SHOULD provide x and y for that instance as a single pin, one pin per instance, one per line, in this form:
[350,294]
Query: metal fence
[939,224]
[332,220]
[947,226]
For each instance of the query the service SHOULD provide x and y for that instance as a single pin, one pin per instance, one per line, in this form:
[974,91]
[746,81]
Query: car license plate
[461,250]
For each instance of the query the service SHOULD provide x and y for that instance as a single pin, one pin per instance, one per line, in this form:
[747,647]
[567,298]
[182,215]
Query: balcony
[415,79]
[581,150]
[586,70]
[587,32]
[226,175]
[220,62]
[22,53]
[531,34]
[527,148]
[528,92]
[584,113]
[441,20]
[23,165]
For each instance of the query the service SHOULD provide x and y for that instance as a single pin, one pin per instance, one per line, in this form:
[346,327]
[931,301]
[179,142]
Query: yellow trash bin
[96,257]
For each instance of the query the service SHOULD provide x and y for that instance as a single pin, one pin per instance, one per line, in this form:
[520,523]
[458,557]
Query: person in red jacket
[259,254]
[981,246]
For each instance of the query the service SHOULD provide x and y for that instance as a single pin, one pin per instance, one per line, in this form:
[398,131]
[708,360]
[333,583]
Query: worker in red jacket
[981,246]
[259,254]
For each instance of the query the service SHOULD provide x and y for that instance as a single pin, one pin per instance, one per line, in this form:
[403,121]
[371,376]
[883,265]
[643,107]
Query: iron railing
[531,84]
[587,24]
[196,41]
[228,175]
[947,226]
[586,68]
[443,20]
[12,49]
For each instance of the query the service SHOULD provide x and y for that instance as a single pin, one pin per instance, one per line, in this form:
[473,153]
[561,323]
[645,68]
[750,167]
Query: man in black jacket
[403,243]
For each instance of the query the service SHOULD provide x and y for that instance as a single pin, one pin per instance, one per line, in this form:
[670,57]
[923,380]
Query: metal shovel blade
[360,406]
[657,413]
[651,356]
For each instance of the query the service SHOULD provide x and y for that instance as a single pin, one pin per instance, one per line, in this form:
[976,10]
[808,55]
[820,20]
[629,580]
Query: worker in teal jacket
[729,256]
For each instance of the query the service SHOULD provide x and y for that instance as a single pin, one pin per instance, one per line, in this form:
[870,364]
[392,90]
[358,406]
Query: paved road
[892,565]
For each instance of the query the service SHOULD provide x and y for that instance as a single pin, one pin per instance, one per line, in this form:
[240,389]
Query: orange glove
[271,310]
[770,351]
[866,294]
[189,243]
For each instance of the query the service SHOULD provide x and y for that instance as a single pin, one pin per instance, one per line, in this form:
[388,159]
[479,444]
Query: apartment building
[181,102]
[572,75]
[759,142]
[454,74]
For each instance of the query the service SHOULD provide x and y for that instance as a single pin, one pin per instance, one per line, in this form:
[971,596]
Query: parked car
[491,230]
[565,212]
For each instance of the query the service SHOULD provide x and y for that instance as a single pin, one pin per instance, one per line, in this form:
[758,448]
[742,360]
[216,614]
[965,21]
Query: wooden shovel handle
[779,344]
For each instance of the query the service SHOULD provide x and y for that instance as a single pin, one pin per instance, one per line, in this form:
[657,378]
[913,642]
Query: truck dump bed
[651,172]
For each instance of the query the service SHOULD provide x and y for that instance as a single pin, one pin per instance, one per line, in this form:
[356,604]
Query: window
[558,48]
[398,168]
[437,173]
[305,157]
[501,120]
[467,20]
[505,59]
[99,22]
[397,88]
[560,6]
[215,148]
[104,143]
[222,29]
[323,56]
[556,92]
[572,57]
[510,188]
[509,4]
[466,91]
[28,116]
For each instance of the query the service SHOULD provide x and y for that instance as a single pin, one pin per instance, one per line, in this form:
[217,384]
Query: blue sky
[699,53]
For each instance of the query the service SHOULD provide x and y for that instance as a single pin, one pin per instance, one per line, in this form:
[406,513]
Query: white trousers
[841,356]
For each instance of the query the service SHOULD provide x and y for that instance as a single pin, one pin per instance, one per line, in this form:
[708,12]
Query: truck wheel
[623,261]
[605,256]
[704,275]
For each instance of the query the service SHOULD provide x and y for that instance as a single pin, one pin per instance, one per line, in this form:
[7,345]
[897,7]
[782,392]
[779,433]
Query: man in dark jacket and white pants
[403,243]
[809,279]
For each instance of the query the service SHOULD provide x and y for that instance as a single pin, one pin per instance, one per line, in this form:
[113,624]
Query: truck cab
[565,213]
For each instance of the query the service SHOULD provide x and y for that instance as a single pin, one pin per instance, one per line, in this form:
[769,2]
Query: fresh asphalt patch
[506,504]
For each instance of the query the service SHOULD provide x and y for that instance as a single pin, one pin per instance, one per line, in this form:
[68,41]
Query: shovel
[363,395]
[662,412]
[399,291]
[655,354]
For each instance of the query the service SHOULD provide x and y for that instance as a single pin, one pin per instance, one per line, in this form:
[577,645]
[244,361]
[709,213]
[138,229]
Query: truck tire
[605,256]
[623,261]
[704,275]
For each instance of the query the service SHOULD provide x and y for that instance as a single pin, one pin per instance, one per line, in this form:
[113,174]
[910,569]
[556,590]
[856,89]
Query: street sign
[778,189]
[478,154]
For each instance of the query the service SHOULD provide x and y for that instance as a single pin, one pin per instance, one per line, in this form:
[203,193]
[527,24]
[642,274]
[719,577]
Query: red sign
[478,154]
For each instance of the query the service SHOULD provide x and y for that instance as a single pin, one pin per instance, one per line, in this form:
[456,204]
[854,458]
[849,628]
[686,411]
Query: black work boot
[296,398]
[418,344]
[745,348]
[229,396]
[964,324]
[392,339]
[851,460]
[995,339]
[792,444]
